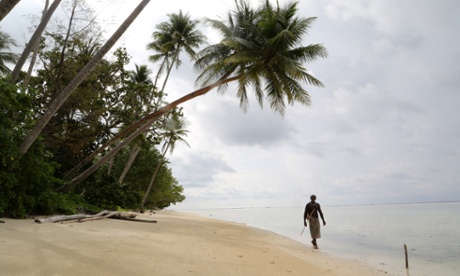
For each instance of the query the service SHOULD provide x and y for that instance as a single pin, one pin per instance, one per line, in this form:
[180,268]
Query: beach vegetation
[107,100]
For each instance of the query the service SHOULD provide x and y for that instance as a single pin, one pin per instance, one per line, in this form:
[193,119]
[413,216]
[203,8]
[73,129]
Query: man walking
[311,214]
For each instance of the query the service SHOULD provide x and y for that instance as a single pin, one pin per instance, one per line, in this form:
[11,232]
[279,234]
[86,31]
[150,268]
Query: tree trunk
[168,72]
[33,40]
[64,95]
[132,157]
[35,53]
[6,6]
[143,124]
[110,166]
[159,72]
[60,66]
[160,162]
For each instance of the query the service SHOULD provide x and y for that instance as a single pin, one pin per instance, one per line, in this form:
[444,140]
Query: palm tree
[261,49]
[140,76]
[70,88]
[177,34]
[175,131]
[5,55]
[6,6]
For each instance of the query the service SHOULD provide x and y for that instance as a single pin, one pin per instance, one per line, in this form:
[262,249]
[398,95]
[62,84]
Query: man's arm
[305,217]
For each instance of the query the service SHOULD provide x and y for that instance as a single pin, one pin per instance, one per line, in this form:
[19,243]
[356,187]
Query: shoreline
[180,243]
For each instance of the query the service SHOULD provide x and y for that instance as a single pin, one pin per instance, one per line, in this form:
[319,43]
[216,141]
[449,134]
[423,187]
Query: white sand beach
[179,244]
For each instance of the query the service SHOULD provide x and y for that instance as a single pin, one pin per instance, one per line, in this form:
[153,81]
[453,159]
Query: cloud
[225,119]
[200,168]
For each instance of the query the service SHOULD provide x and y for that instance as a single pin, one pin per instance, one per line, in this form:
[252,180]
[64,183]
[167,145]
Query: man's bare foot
[315,246]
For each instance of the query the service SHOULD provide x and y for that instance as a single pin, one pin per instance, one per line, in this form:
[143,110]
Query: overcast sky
[385,129]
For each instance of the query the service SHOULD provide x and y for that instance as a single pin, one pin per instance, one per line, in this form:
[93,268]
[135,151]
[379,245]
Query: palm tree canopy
[175,130]
[6,56]
[141,74]
[179,33]
[263,48]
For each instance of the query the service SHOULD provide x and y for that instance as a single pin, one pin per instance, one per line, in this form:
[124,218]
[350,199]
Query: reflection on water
[373,234]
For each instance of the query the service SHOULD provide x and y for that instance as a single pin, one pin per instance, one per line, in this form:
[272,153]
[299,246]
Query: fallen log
[55,219]
[92,217]
[110,214]
[101,215]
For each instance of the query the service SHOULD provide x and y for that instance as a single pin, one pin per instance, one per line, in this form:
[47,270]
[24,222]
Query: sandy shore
[179,244]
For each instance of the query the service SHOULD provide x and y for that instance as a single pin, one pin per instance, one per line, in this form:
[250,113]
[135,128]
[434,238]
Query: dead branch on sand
[86,217]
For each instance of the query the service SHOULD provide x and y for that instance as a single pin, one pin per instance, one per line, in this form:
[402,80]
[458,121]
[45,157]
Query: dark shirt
[312,209]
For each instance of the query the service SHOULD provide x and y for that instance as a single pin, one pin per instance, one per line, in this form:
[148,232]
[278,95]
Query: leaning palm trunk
[152,180]
[168,72]
[132,157]
[6,6]
[142,125]
[70,88]
[35,53]
[34,40]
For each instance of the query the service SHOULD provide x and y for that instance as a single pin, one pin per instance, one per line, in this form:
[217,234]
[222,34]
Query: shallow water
[372,234]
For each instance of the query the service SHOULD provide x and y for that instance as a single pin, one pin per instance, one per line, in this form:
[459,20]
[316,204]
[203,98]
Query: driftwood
[70,217]
[102,215]
[86,217]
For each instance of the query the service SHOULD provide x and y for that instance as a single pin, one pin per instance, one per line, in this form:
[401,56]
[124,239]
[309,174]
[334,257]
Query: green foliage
[105,192]
[88,117]
[23,179]
[70,203]
[165,192]
[6,56]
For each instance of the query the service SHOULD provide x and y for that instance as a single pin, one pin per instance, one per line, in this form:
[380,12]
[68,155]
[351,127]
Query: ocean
[371,234]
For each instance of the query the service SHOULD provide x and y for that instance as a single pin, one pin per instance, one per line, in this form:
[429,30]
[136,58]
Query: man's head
[313,198]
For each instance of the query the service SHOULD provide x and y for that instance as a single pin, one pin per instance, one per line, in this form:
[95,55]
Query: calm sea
[372,234]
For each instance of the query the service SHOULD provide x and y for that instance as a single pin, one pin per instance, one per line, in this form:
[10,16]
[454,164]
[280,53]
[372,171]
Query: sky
[384,129]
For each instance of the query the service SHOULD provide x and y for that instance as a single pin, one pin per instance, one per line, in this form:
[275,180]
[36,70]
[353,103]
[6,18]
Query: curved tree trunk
[33,40]
[143,125]
[6,6]
[152,180]
[70,88]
